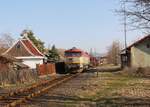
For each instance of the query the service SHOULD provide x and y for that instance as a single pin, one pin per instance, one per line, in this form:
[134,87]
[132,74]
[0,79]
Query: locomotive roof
[74,49]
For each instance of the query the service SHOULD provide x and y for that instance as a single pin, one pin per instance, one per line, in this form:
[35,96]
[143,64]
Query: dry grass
[107,89]
[110,85]
[137,72]
[12,76]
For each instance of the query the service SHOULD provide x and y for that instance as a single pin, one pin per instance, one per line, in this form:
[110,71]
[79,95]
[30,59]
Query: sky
[84,24]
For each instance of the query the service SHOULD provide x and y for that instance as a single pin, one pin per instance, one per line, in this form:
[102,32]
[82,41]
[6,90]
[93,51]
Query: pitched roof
[139,41]
[30,46]
[23,47]
[135,43]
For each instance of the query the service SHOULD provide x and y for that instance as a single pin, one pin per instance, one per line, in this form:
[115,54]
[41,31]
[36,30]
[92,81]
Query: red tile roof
[31,47]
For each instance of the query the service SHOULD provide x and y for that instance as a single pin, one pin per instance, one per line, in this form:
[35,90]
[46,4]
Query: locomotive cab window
[73,54]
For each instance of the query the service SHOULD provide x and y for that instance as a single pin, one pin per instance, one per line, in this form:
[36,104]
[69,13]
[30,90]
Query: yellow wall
[140,55]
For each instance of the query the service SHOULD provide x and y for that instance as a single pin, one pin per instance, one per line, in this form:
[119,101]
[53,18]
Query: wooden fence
[46,69]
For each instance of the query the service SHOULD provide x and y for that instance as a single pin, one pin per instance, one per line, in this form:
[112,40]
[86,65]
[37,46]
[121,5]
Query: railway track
[15,98]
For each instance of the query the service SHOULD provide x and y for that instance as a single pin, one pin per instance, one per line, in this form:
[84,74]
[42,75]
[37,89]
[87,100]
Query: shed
[137,54]
[5,62]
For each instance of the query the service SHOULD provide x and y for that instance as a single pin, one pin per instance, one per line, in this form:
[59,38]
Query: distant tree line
[6,41]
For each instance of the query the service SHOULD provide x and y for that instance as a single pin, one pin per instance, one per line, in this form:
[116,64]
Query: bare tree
[137,13]
[113,54]
[6,40]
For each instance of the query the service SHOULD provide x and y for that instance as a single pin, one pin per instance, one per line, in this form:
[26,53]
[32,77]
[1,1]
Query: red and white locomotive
[76,59]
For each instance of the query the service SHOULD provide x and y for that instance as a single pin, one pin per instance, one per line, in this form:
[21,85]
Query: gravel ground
[66,94]
[88,90]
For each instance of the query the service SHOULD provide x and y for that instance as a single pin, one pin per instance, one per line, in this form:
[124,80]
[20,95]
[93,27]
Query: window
[73,54]
[18,46]
[148,45]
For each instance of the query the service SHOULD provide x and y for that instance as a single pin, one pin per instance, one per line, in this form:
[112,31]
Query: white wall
[32,62]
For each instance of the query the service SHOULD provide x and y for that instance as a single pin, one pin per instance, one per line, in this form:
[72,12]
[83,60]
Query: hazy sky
[66,23]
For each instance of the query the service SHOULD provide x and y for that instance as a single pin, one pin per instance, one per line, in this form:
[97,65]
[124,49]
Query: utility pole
[125,33]
[125,25]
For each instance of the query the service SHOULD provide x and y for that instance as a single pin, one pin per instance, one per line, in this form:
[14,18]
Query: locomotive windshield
[73,54]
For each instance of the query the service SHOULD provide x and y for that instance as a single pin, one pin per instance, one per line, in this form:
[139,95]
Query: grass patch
[111,85]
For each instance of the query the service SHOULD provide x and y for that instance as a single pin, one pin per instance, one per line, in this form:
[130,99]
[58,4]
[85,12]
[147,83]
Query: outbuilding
[137,54]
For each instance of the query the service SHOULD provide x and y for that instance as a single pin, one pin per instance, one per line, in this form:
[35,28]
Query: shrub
[13,76]
[133,71]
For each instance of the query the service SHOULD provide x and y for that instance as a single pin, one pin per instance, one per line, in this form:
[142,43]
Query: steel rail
[36,90]
[11,94]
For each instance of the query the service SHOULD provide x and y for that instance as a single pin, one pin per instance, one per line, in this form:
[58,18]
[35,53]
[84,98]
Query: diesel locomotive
[76,60]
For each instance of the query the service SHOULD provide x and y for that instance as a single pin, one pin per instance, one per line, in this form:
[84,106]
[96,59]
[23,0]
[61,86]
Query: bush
[140,72]
[27,75]
[13,76]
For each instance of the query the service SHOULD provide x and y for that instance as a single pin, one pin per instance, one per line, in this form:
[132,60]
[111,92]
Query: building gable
[24,48]
[18,50]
